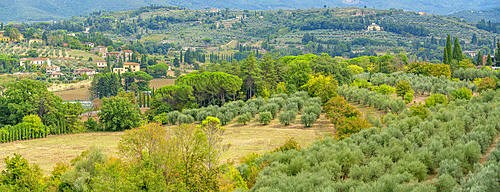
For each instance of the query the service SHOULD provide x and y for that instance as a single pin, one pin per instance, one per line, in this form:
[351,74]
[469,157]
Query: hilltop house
[126,66]
[52,69]
[35,41]
[55,75]
[35,61]
[89,72]
[128,54]
[101,50]
[374,27]
[101,64]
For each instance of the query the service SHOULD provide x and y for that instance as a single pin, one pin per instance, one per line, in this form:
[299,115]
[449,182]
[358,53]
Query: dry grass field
[157,83]
[244,139]
[72,95]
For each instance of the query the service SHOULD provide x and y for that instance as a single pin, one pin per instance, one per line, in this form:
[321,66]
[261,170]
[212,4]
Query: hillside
[475,16]
[45,10]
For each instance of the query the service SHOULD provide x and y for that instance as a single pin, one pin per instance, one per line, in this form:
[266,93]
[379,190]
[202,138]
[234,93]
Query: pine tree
[448,49]
[457,51]
[489,62]
[479,59]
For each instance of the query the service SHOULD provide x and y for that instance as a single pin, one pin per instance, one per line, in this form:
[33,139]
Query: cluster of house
[7,38]
[55,71]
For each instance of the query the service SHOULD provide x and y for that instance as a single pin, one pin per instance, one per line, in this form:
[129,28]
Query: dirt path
[488,151]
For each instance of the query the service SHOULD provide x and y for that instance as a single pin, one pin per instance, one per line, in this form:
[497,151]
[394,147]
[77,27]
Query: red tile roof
[127,51]
[34,59]
[84,69]
[131,63]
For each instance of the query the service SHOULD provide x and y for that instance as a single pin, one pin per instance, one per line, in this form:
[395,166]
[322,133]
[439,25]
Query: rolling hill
[46,10]
[475,16]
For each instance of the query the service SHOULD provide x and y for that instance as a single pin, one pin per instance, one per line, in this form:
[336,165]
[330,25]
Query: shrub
[279,101]
[265,118]
[299,101]
[161,118]
[462,93]
[258,102]
[435,99]
[225,118]
[191,112]
[284,96]
[287,117]
[249,109]
[361,83]
[91,124]
[301,94]
[487,83]
[419,111]
[244,118]
[308,119]
[313,108]
[272,108]
[172,117]
[450,167]
[403,88]
[408,97]
[184,119]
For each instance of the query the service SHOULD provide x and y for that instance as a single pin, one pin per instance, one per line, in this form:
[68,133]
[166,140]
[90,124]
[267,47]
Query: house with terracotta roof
[101,64]
[128,54]
[35,41]
[35,61]
[134,66]
[52,69]
[117,54]
[89,72]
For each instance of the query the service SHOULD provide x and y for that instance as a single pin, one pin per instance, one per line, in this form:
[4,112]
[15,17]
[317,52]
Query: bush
[244,118]
[258,102]
[191,112]
[313,108]
[361,83]
[284,96]
[279,101]
[298,100]
[265,117]
[408,97]
[419,111]
[172,117]
[301,94]
[435,99]
[91,124]
[249,109]
[403,88]
[161,118]
[287,117]
[272,108]
[308,119]
[184,119]
[225,118]
[462,93]
[450,167]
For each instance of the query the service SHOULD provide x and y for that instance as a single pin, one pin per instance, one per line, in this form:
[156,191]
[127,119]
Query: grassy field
[244,139]
[72,95]
[157,83]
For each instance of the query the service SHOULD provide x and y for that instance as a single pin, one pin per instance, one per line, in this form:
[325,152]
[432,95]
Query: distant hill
[475,16]
[45,10]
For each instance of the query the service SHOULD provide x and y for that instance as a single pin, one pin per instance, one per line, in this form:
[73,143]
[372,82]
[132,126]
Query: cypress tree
[445,56]
[457,51]
[489,62]
[497,54]
[147,96]
[479,59]
[143,100]
[448,49]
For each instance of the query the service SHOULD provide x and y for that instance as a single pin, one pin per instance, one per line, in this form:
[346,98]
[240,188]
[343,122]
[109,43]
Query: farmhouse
[128,54]
[101,50]
[55,75]
[101,64]
[374,27]
[133,66]
[35,61]
[52,69]
[89,72]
